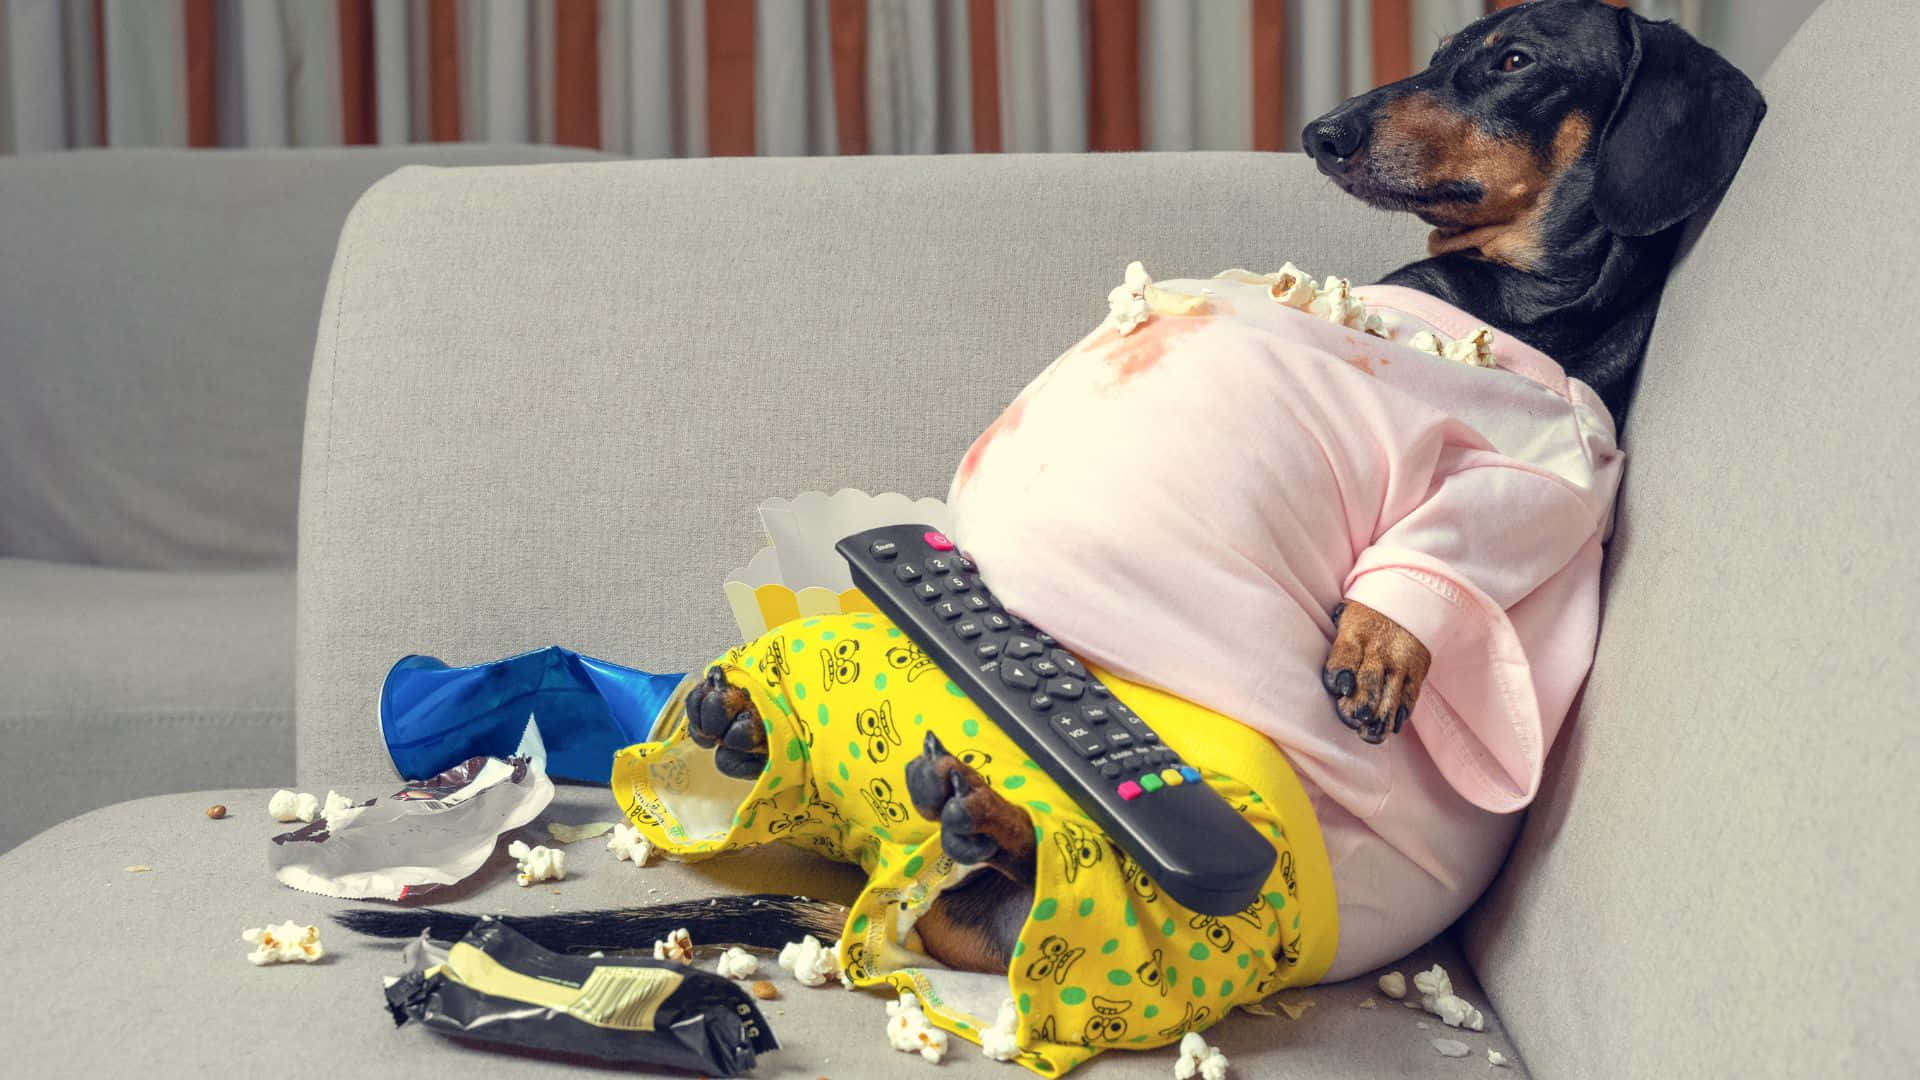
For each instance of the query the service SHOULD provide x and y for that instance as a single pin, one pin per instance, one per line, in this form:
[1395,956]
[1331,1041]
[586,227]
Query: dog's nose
[1335,138]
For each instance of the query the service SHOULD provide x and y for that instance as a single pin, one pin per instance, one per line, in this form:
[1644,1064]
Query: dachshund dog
[1558,148]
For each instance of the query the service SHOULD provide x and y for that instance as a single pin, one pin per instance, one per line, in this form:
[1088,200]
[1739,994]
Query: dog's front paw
[721,718]
[1374,671]
[977,823]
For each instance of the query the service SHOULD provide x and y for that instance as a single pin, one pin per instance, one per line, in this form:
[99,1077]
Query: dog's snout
[1335,138]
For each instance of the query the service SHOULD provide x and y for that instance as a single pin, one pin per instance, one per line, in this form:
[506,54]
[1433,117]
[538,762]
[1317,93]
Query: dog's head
[1538,110]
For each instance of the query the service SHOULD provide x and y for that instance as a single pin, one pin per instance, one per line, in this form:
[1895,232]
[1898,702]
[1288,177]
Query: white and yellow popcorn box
[800,573]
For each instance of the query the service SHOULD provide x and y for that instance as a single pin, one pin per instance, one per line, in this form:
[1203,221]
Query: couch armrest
[545,400]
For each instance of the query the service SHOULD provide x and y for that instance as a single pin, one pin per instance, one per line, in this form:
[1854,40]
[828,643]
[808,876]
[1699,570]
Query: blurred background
[684,78]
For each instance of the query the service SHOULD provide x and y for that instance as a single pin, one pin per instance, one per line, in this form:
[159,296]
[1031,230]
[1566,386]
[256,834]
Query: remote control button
[958,583]
[965,563]
[1046,668]
[1094,714]
[927,590]
[976,602]
[1018,675]
[997,621]
[1046,640]
[967,628]
[1070,689]
[1192,774]
[883,549]
[1128,760]
[1172,777]
[947,609]
[1021,648]
[1129,790]
[939,564]
[906,571]
[1067,663]
[1151,782]
[1087,743]
[1098,690]
[986,650]
[938,542]
[1066,722]
[1107,767]
[1040,702]
[1118,738]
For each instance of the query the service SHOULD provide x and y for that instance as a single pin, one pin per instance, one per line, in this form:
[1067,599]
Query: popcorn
[1127,303]
[1452,1047]
[538,863]
[283,944]
[1335,303]
[1496,1058]
[1001,1042]
[737,963]
[1428,342]
[1438,998]
[288,806]
[1166,302]
[1196,1057]
[811,962]
[1394,985]
[1292,287]
[627,843]
[1475,351]
[336,803]
[1374,325]
[678,948]
[909,1031]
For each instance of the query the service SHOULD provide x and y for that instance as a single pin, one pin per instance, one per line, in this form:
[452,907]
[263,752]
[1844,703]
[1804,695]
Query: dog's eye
[1514,60]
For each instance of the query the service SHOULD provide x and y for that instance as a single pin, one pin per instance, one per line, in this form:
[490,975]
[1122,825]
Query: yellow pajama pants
[1104,959]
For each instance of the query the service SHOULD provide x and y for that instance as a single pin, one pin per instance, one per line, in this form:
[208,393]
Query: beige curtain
[660,78]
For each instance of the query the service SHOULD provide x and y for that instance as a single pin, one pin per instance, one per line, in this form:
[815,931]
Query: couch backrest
[1720,875]
[157,311]
[546,402]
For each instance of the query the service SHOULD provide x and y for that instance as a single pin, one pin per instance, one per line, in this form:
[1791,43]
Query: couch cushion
[1723,846]
[171,962]
[122,683]
[545,402]
[158,325]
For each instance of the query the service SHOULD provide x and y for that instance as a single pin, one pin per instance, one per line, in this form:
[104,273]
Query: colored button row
[1133,789]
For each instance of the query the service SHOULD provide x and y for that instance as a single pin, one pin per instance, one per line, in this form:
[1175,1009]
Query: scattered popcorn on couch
[737,963]
[286,943]
[1197,1058]
[1394,985]
[1438,998]
[812,963]
[1127,303]
[678,948]
[290,806]
[627,843]
[538,863]
[335,804]
[1496,1058]
[1001,1042]
[909,1031]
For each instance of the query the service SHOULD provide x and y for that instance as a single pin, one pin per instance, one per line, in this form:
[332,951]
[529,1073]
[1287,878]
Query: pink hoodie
[1186,504]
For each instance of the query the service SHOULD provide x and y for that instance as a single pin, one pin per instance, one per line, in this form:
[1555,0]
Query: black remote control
[1116,768]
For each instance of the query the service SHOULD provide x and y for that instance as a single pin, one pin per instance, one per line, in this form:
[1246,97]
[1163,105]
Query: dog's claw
[977,825]
[721,718]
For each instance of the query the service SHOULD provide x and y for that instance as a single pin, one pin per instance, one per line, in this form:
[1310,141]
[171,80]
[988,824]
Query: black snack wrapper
[629,1011]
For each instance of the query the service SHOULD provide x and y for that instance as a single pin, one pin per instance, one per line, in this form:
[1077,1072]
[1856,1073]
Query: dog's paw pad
[721,718]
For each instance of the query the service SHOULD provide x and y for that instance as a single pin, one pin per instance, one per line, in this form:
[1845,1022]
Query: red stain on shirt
[1137,353]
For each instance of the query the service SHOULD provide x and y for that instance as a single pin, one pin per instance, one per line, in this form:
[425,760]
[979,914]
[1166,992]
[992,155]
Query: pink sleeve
[1489,534]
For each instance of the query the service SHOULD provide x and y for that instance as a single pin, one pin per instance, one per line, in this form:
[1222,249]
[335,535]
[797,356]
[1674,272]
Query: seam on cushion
[229,716]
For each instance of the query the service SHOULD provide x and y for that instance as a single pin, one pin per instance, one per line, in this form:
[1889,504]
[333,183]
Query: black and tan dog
[1557,148]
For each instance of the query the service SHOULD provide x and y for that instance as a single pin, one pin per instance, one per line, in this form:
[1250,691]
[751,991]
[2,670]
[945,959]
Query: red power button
[938,542]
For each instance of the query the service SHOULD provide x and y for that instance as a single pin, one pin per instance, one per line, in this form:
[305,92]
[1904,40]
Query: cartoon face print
[1044,1032]
[1216,932]
[1137,879]
[781,823]
[879,796]
[878,728]
[1191,1020]
[671,774]
[840,665]
[773,663]
[1286,874]
[1290,950]
[1080,846]
[911,660]
[1108,1022]
[975,759]
[1254,914]
[642,811]
[1152,973]
[856,961]
[1056,958]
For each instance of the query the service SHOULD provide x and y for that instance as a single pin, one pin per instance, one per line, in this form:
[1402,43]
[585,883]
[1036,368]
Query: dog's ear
[1678,132]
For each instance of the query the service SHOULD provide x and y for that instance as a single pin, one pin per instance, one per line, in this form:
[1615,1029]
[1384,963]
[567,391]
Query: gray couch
[523,430]
[157,311]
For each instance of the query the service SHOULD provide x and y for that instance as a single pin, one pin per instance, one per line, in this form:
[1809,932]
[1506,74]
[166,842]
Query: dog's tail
[765,920]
